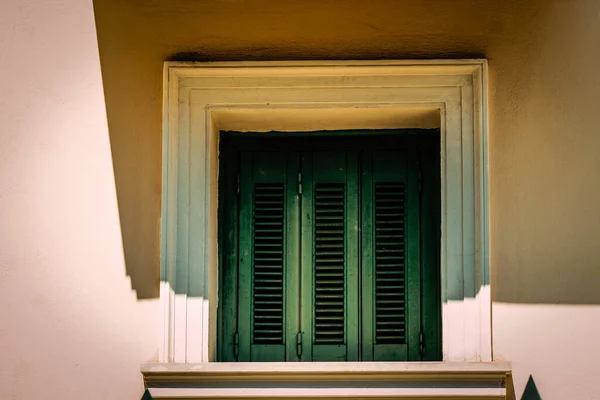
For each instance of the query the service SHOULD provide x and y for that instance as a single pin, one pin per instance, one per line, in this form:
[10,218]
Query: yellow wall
[543,60]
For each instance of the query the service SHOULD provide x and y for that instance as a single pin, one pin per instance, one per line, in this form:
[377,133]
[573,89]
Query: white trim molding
[329,380]
[202,99]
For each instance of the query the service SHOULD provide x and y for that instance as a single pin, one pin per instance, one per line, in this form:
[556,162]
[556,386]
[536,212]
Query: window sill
[409,380]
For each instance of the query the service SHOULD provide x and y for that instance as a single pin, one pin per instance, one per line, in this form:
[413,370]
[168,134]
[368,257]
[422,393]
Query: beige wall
[61,266]
[62,271]
[544,57]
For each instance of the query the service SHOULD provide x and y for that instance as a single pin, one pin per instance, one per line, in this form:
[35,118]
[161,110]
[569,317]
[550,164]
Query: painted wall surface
[70,325]
[63,266]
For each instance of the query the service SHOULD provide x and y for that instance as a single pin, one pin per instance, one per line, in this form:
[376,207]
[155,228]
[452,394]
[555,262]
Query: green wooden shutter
[228,279]
[430,261]
[330,256]
[344,269]
[268,256]
[390,257]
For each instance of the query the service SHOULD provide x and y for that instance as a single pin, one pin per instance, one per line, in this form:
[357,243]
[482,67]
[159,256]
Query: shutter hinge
[236,345]
[422,345]
[299,182]
[237,188]
[299,344]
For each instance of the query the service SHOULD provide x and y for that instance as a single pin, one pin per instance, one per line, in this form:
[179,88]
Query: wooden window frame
[200,99]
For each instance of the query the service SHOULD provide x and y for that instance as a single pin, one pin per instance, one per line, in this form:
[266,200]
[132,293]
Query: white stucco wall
[62,268]
[62,272]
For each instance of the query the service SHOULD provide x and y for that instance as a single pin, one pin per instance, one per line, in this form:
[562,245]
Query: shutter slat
[389,264]
[268,264]
[329,251]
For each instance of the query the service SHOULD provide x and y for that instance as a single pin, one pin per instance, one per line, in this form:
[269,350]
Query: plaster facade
[80,169]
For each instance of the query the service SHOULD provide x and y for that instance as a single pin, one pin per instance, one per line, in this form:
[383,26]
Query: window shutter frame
[255,169]
[398,167]
[229,213]
[322,168]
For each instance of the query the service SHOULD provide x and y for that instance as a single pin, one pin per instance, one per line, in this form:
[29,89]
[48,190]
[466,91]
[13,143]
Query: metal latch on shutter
[299,344]
[236,345]
[422,345]
[299,182]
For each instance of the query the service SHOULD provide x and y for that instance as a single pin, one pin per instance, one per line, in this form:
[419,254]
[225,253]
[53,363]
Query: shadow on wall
[135,38]
[529,242]
[256,56]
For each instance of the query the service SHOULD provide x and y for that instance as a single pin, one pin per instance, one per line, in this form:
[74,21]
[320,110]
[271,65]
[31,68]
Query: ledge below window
[357,380]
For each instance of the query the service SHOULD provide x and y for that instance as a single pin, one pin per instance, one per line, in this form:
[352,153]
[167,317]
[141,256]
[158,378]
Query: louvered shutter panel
[268,256]
[330,256]
[390,261]
[268,259]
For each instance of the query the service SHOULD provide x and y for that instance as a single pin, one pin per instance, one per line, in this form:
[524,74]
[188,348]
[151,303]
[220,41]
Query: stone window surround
[201,99]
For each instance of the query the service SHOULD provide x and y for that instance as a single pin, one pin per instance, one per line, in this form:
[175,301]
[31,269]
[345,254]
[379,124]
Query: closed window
[329,247]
